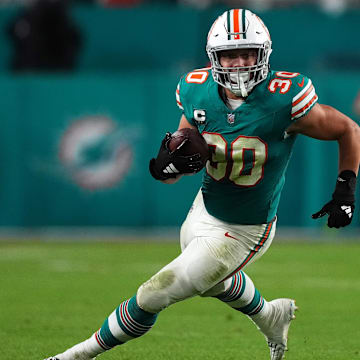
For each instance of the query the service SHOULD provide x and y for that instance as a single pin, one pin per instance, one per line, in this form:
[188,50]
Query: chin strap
[241,81]
[243,90]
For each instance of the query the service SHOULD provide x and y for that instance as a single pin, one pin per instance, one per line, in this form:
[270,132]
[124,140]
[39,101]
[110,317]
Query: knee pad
[153,296]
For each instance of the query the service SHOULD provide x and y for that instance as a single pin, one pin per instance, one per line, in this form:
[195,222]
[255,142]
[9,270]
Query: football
[189,142]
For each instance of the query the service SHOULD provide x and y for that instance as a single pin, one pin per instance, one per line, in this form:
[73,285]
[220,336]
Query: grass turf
[55,295]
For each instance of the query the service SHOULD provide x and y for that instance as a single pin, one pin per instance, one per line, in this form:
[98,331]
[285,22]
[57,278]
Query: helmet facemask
[255,36]
[240,80]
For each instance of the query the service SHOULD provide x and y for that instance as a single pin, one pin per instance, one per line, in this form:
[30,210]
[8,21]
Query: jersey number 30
[217,166]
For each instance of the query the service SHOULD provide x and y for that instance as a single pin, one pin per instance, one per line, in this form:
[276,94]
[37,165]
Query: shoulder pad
[190,82]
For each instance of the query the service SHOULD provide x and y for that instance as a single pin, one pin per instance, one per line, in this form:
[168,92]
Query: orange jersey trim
[304,95]
[306,106]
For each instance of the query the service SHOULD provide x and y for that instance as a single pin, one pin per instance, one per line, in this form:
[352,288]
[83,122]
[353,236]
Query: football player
[249,116]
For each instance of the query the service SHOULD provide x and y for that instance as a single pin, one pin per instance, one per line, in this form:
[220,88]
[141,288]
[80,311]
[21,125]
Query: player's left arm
[323,122]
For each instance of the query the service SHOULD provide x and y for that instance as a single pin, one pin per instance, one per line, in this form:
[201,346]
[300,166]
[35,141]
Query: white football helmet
[239,29]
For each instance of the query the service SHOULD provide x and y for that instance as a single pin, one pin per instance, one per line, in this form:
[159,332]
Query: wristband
[345,188]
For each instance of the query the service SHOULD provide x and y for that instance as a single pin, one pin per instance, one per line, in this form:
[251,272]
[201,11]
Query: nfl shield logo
[230,118]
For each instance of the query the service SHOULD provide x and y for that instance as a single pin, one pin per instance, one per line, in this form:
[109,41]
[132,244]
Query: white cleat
[82,351]
[276,330]
[57,358]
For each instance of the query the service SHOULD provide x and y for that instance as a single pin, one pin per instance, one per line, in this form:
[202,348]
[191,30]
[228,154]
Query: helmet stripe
[236,23]
[228,25]
[244,24]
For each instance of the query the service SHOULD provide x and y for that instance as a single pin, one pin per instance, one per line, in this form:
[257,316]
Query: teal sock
[242,295]
[127,322]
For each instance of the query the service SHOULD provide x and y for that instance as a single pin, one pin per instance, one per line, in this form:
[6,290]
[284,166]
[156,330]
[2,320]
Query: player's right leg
[202,264]
[126,322]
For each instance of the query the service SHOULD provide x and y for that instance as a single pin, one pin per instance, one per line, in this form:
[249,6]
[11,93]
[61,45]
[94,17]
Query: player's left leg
[241,245]
[239,292]
[272,318]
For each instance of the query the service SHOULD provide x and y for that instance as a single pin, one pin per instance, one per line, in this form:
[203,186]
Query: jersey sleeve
[178,100]
[304,100]
[192,93]
[183,100]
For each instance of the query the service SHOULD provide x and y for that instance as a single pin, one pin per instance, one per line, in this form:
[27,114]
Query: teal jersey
[250,148]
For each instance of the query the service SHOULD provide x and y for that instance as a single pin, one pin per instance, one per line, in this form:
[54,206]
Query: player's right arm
[161,168]
[167,167]
[184,123]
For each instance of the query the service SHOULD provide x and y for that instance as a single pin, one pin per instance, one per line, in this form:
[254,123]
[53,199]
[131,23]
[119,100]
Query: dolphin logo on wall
[95,153]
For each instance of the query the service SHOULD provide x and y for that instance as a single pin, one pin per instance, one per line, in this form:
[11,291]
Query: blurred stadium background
[88,93]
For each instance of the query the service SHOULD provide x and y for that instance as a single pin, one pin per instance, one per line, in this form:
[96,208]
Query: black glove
[341,208]
[169,164]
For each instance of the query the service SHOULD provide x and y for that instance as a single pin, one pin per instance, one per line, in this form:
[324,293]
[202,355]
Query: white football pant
[212,251]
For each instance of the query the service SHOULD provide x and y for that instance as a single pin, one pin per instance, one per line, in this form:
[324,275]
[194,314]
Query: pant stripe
[256,248]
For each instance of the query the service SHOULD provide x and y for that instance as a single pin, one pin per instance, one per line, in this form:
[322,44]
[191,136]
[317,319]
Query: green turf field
[55,295]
